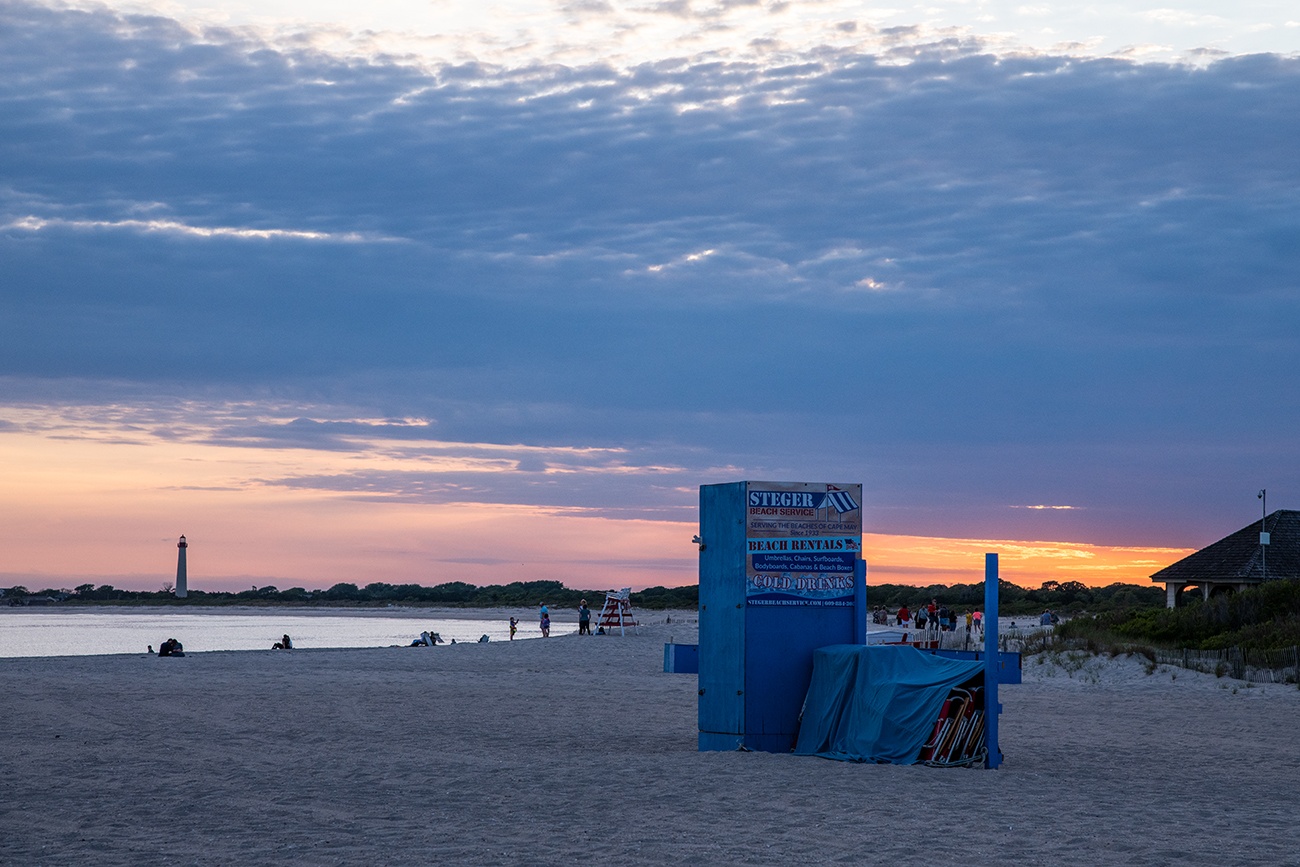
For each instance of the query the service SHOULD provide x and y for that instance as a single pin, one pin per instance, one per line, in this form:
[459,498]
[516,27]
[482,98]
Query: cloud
[933,267]
[37,224]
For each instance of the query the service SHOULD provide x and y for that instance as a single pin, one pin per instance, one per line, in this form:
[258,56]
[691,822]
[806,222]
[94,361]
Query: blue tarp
[876,704]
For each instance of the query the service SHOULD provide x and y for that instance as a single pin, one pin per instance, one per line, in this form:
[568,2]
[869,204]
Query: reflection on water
[92,633]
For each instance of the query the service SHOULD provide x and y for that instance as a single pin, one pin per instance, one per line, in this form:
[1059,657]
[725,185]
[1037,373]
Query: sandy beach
[550,751]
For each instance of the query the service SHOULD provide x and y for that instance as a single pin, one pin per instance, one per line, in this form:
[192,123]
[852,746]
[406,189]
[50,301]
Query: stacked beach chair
[958,736]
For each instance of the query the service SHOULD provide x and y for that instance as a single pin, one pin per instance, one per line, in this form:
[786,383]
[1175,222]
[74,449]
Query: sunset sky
[424,292]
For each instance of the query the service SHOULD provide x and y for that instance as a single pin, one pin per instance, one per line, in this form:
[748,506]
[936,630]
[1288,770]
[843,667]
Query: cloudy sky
[461,291]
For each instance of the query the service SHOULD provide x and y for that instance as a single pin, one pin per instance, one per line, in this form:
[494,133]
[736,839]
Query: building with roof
[1245,559]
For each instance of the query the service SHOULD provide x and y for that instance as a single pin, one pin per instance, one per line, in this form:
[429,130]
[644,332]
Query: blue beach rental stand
[780,565]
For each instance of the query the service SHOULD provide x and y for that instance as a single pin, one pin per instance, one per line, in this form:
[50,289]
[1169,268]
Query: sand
[547,751]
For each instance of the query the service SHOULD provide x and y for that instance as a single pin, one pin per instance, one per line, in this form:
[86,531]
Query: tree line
[1266,617]
[454,594]
[1063,597]
[1068,598]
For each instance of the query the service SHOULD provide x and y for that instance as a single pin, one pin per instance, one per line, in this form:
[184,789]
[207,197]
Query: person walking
[544,615]
[514,627]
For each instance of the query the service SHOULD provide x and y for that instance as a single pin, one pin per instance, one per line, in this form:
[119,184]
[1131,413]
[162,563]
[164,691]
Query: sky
[485,292]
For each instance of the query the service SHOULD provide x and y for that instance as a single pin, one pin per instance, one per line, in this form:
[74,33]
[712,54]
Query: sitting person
[171,647]
[283,644]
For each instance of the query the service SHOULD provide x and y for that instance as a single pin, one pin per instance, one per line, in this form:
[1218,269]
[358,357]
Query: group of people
[544,620]
[170,647]
[937,617]
[430,639]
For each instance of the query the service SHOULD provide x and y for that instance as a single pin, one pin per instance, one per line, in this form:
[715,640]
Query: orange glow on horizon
[918,561]
[108,510]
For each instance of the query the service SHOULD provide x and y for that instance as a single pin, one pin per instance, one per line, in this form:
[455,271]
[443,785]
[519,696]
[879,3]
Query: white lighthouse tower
[180,568]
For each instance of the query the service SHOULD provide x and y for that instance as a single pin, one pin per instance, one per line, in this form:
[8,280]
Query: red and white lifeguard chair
[617,612]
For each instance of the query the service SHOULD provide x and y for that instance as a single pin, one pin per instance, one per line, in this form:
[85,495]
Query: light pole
[1263,534]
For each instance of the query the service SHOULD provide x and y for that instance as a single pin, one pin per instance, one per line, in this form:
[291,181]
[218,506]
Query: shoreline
[499,612]
[125,631]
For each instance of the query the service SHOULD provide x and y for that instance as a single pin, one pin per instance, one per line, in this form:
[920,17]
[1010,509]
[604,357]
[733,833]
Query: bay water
[44,632]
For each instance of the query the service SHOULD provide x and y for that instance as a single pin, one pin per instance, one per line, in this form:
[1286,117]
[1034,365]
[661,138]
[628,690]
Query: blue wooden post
[722,617]
[860,602]
[991,706]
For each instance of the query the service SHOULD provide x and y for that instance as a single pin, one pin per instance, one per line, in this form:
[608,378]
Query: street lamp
[1263,536]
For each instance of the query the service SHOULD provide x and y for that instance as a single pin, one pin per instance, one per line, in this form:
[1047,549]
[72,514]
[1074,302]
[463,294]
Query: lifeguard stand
[617,612]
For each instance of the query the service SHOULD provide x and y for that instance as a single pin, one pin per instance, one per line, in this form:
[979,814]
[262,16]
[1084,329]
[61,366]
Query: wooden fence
[1259,666]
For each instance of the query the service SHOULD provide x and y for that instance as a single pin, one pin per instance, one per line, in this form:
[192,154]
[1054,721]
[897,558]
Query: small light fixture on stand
[1263,534]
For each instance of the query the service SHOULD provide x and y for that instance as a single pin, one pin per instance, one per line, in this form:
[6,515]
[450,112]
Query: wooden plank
[722,615]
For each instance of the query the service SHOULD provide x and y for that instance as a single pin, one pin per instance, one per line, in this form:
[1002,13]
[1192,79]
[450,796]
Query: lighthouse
[180,568]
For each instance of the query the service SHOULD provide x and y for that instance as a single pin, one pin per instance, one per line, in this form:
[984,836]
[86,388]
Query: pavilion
[1238,561]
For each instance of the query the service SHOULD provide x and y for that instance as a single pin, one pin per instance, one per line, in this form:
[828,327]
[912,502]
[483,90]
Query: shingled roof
[1236,558]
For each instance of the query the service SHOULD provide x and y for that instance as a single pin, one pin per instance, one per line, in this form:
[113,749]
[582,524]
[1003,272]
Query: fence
[1009,640]
[1259,666]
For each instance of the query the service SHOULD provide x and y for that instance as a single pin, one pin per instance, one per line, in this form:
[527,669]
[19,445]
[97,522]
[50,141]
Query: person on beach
[544,615]
[283,644]
[921,619]
[584,618]
[977,618]
[904,617]
[171,647]
[514,627]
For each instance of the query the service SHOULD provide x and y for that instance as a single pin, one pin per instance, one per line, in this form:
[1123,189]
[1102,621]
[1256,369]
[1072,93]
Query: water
[93,633]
